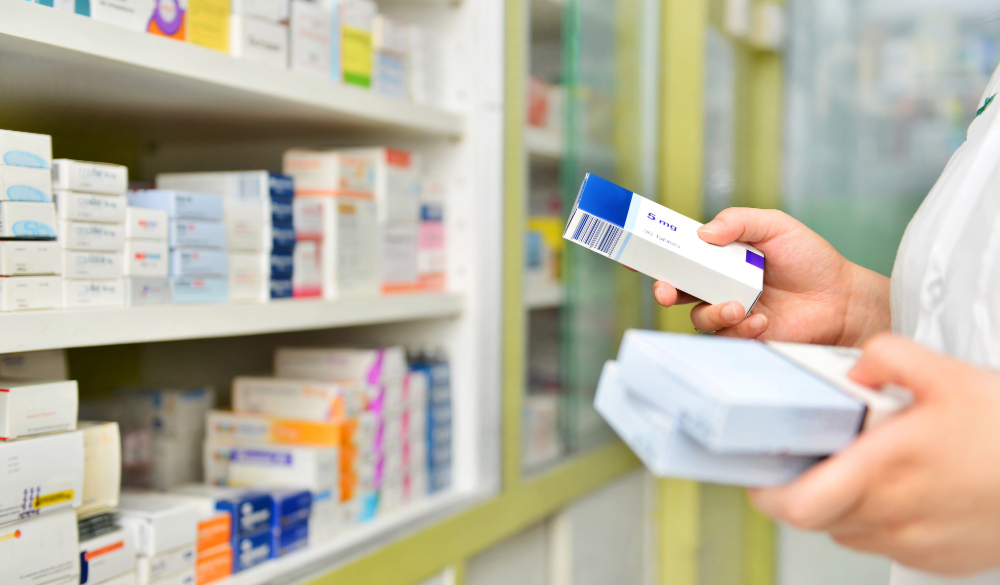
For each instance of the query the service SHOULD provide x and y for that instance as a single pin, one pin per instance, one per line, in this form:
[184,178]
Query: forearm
[868,307]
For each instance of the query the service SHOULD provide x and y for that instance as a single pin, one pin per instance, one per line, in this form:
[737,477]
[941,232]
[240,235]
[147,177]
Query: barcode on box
[595,233]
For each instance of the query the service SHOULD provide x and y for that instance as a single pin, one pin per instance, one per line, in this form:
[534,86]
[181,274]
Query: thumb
[742,224]
[894,360]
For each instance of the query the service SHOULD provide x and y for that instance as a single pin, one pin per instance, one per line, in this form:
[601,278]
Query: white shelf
[61,68]
[33,330]
[543,145]
[544,296]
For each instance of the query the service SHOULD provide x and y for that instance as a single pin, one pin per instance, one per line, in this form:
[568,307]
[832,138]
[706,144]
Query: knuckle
[802,516]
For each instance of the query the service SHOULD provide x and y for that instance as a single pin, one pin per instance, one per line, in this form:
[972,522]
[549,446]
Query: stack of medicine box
[214,544]
[257,31]
[353,26]
[261,235]
[165,530]
[311,29]
[199,262]
[391,51]
[147,257]
[435,367]
[381,373]
[28,225]
[41,481]
[297,421]
[90,201]
[404,445]
[431,240]
[336,223]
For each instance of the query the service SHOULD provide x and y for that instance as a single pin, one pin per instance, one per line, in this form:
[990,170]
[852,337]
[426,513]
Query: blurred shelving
[543,145]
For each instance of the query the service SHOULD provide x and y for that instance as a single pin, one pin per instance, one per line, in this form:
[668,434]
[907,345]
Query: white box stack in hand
[91,205]
[29,254]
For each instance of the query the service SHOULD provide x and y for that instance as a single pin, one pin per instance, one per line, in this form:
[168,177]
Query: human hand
[812,294]
[924,486]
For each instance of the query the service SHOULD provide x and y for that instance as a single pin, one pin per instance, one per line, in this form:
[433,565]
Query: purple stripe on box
[755,259]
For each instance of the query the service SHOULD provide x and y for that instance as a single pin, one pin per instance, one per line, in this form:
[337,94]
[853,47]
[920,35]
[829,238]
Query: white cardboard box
[147,258]
[23,149]
[312,468]
[668,452]
[146,291]
[146,224]
[27,258]
[182,578]
[348,242]
[89,177]
[310,28]
[81,264]
[124,579]
[91,236]
[246,429]
[102,468]
[25,184]
[28,219]
[41,551]
[41,475]
[249,276]
[47,364]
[199,262]
[663,244]
[185,233]
[165,565]
[258,40]
[161,523]
[27,293]
[273,10]
[35,407]
[248,227]
[320,363]
[179,204]
[297,399]
[71,205]
[94,293]
[107,556]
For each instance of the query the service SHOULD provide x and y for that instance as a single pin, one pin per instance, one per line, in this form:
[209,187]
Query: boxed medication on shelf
[251,188]
[273,10]
[249,276]
[276,466]
[199,262]
[147,258]
[124,579]
[93,293]
[29,258]
[106,556]
[146,224]
[246,228]
[71,205]
[153,569]
[35,407]
[249,429]
[391,44]
[27,219]
[28,293]
[356,20]
[160,523]
[174,412]
[200,289]
[348,242]
[179,204]
[142,16]
[47,364]
[663,244]
[668,451]
[207,24]
[399,259]
[251,551]
[214,565]
[307,273]
[282,263]
[291,506]
[23,149]
[250,511]
[310,28]
[307,399]
[324,519]
[281,288]
[90,265]
[25,184]
[372,366]
[258,40]
[42,475]
[41,551]
[88,177]
[147,291]
[185,233]
[290,538]
[183,578]
[102,467]
[97,237]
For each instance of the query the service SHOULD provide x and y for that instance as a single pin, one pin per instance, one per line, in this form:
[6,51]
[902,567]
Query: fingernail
[729,313]
[758,321]
[711,227]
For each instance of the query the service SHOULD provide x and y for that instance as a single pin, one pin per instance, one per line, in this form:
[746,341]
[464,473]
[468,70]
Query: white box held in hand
[41,475]
[24,258]
[106,556]
[148,258]
[161,523]
[259,41]
[29,293]
[663,244]
[97,237]
[25,184]
[94,293]
[89,177]
[80,264]
[41,551]
[23,149]
[31,408]
[27,219]
[146,224]
[102,467]
[90,207]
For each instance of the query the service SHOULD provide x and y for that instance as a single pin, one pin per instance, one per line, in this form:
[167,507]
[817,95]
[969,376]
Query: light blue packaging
[738,396]
[186,233]
[199,262]
[179,204]
[251,551]
[199,289]
[336,40]
[667,451]
[290,538]
[23,149]
[28,220]
[25,184]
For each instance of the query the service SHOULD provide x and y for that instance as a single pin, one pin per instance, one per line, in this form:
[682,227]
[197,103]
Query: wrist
[867,308]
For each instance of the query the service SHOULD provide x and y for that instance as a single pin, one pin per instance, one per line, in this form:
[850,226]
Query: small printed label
[53,499]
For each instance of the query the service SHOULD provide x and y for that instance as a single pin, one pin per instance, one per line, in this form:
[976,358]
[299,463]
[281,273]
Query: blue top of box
[604,199]
[281,186]
[251,511]
[291,506]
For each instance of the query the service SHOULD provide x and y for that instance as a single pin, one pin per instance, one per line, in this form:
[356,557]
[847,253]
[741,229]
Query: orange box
[214,532]
[214,565]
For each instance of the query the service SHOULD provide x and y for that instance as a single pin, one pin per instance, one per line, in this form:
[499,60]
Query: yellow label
[208,24]
[356,51]
[54,498]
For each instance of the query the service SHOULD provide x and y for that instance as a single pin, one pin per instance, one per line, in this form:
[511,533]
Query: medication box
[669,452]
[356,20]
[249,276]
[27,219]
[147,258]
[251,551]
[249,511]
[157,568]
[214,565]
[97,237]
[22,149]
[663,244]
[41,551]
[71,205]
[249,429]
[291,507]
[348,243]
[258,40]
[28,293]
[47,364]
[187,233]
[25,184]
[31,408]
[161,523]
[297,399]
[202,289]
[22,258]
[199,262]
[179,204]
[273,10]
[93,293]
[290,538]
[374,366]
[102,467]
[147,291]
[105,557]
[310,26]
[313,468]
[146,224]
[41,475]
[88,177]
[89,265]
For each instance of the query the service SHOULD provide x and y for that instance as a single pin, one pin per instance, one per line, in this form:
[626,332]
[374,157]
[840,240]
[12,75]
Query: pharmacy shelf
[544,296]
[543,146]
[67,70]
[33,330]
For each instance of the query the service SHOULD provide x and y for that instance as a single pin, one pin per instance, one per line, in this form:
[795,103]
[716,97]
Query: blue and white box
[290,538]
[282,262]
[186,233]
[89,177]
[71,205]
[147,291]
[179,204]
[291,507]
[146,224]
[667,451]
[23,149]
[663,244]
[147,258]
[93,293]
[281,288]
[251,551]
[199,289]
[81,264]
[90,236]
[199,262]
[25,184]
[28,220]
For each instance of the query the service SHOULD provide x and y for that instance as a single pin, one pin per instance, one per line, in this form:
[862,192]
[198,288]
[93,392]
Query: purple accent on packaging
[755,259]
[253,457]
[169,27]
[375,374]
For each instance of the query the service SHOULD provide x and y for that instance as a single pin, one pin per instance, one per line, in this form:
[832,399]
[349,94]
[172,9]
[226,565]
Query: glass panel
[720,122]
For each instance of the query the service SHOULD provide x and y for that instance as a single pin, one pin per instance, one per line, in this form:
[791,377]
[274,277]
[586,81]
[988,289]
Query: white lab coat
[946,281]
